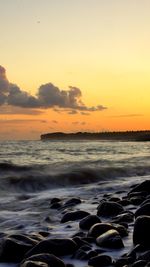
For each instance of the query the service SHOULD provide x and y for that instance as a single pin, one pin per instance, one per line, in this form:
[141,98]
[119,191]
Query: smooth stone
[100,261]
[100,228]
[109,209]
[49,259]
[58,247]
[80,242]
[88,221]
[124,217]
[145,256]
[13,250]
[34,264]
[110,239]
[137,200]
[72,201]
[123,261]
[125,202]
[55,200]
[144,186]
[141,232]
[139,263]
[74,215]
[56,206]
[143,210]
[80,255]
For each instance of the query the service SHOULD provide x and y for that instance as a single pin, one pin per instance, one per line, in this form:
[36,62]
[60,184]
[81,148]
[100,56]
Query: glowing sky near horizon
[101,47]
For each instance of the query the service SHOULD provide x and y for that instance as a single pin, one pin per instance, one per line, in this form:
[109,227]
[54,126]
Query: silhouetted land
[116,136]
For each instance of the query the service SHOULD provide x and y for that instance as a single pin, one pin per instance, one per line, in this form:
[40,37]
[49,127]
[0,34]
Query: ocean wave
[38,178]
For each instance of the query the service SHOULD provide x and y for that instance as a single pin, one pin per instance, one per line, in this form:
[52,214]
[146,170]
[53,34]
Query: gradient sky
[101,47]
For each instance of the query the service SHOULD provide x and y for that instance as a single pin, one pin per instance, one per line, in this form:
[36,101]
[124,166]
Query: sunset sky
[73,65]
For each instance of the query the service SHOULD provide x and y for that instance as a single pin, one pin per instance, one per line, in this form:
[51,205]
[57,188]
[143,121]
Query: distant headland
[112,136]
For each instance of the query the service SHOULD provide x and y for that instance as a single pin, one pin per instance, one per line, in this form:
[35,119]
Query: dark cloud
[48,96]
[55,121]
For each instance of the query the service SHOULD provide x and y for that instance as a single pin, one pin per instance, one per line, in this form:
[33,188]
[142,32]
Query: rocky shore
[101,235]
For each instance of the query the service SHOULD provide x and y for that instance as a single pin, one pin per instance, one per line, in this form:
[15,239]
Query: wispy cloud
[48,96]
[126,116]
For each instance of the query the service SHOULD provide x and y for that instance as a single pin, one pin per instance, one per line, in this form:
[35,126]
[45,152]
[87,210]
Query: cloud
[48,96]
[11,110]
[21,121]
[127,116]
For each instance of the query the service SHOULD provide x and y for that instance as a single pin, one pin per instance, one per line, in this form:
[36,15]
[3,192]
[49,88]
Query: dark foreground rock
[57,247]
[109,209]
[141,233]
[74,215]
[110,239]
[100,261]
[49,259]
[89,221]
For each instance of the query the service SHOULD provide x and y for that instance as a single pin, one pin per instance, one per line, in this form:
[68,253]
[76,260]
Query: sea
[34,172]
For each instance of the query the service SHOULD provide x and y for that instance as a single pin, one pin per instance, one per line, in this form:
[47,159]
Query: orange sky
[99,47]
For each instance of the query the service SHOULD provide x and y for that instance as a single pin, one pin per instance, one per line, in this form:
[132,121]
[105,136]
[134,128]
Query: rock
[13,249]
[34,264]
[100,261]
[109,209]
[56,206]
[143,210]
[74,215]
[88,221]
[124,217]
[144,186]
[72,201]
[110,239]
[58,247]
[122,262]
[137,200]
[80,255]
[100,228]
[141,233]
[49,259]
[80,242]
[139,263]
[145,256]
[124,202]
[55,200]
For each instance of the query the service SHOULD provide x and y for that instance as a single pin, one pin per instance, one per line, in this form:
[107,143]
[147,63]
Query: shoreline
[102,230]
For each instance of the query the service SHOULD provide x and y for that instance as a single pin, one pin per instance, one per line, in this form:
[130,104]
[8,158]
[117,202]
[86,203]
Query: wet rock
[49,259]
[56,206]
[100,228]
[80,255]
[74,215]
[141,233]
[144,186]
[58,247]
[55,200]
[34,264]
[124,217]
[124,202]
[13,249]
[109,209]
[88,221]
[137,200]
[143,210]
[145,256]
[73,201]
[110,239]
[80,242]
[139,263]
[124,261]
[100,261]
